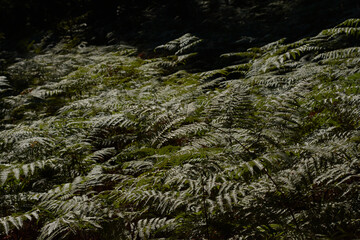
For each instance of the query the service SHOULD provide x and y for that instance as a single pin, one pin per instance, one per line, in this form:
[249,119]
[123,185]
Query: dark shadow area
[226,25]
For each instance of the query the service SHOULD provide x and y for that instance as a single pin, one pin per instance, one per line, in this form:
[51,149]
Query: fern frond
[4,82]
[273,45]
[66,191]
[137,167]
[80,104]
[210,139]
[297,53]
[181,45]
[348,31]
[25,169]
[7,223]
[13,135]
[146,227]
[352,22]
[45,93]
[68,225]
[4,85]
[335,174]
[35,142]
[184,131]
[166,127]
[341,53]
[115,120]
[102,155]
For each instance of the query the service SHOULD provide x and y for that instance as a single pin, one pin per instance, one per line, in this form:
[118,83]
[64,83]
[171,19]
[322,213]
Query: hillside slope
[110,143]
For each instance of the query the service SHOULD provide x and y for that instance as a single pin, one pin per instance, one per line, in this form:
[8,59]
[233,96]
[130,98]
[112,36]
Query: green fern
[24,170]
[181,45]
[10,222]
[352,22]
[104,145]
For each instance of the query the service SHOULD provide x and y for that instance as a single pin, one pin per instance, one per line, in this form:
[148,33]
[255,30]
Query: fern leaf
[116,120]
[181,45]
[101,155]
[16,172]
[25,169]
[296,53]
[5,225]
[4,85]
[44,93]
[186,130]
[352,22]
[16,222]
[348,31]
[342,53]
[188,46]
[4,176]
[147,226]
[166,127]
[13,221]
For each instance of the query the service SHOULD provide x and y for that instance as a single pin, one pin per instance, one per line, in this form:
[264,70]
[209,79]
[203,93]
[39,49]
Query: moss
[167,150]
[182,78]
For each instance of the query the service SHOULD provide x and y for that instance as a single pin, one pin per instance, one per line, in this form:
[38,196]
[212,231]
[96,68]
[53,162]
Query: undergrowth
[97,143]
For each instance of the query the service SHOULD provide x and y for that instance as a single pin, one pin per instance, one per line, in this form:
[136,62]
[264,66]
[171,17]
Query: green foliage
[102,144]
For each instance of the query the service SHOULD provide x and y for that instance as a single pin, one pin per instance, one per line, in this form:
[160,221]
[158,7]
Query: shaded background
[224,24]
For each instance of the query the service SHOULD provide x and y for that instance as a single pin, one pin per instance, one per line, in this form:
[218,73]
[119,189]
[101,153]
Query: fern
[184,131]
[43,93]
[24,170]
[348,31]
[145,227]
[181,45]
[101,144]
[297,53]
[352,22]
[102,155]
[10,222]
[4,85]
[116,120]
[338,54]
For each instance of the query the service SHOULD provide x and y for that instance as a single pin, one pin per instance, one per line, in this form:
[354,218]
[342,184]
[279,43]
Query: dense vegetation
[109,143]
[189,119]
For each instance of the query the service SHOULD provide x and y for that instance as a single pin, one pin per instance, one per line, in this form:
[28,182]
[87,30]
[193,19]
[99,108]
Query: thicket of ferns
[105,145]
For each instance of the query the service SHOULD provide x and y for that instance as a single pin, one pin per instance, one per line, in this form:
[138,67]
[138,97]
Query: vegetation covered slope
[104,143]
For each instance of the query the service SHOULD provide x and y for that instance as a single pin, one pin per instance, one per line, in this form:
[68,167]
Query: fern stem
[204,206]
[236,140]
[283,194]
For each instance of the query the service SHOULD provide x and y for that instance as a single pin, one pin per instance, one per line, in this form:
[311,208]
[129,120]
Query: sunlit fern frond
[164,202]
[347,31]
[340,53]
[13,134]
[352,22]
[42,93]
[10,222]
[185,131]
[101,155]
[181,45]
[148,227]
[4,85]
[112,121]
[68,226]
[297,53]
[24,170]
[167,126]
